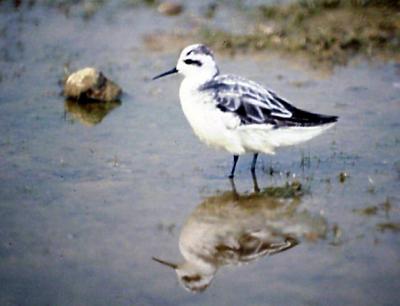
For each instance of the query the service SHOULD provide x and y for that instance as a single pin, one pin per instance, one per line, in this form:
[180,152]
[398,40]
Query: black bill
[166,263]
[173,70]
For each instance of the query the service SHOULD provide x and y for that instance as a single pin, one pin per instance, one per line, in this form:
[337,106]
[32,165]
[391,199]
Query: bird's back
[254,104]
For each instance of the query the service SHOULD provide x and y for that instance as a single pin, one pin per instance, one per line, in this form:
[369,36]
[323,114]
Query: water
[89,197]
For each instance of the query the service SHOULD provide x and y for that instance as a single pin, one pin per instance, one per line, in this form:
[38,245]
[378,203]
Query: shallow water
[87,197]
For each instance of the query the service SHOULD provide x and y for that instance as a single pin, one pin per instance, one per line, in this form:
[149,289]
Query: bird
[229,229]
[238,115]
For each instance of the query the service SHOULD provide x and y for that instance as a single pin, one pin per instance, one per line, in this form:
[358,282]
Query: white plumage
[238,115]
[230,229]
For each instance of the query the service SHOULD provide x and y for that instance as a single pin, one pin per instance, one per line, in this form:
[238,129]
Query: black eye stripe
[192,62]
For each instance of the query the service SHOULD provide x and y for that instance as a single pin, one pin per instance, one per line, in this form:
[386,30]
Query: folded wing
[254,104]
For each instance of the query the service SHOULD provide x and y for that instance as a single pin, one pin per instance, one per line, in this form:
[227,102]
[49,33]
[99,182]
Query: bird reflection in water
[89,113]
[234,229]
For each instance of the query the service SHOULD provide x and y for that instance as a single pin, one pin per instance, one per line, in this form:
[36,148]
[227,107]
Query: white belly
[222,130]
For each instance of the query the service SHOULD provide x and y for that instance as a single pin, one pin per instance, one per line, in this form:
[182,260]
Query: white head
[192,277]
[195,61]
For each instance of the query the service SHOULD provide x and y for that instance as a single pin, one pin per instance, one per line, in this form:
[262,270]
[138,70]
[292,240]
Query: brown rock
[90,84]
[170,8]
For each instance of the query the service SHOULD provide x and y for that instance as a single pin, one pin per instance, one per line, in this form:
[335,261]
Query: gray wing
[254,104]
[251,248]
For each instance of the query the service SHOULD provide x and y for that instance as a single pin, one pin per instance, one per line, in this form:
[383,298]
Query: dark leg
[235,159]
[253,163]
[233,186]
[255,184]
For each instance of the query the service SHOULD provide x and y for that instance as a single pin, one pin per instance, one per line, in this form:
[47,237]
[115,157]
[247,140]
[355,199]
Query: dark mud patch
[383,215]
[327,31]
[290,190]
[372,210]
[389,226]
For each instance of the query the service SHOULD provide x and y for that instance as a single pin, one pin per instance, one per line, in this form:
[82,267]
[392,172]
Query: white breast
[212,126]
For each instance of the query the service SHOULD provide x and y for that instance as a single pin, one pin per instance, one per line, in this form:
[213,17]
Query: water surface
[88,196]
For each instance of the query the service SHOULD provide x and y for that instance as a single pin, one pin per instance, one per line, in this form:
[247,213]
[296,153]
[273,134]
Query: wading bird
[238,115]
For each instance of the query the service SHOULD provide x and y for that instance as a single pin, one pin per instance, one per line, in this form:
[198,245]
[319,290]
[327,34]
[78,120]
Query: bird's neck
[197,79]
[193,82]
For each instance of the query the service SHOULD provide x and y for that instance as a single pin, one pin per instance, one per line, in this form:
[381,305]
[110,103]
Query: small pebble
[343,176]
[170,8]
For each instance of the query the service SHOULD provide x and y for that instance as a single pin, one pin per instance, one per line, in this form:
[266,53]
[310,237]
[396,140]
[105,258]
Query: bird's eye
[192,62]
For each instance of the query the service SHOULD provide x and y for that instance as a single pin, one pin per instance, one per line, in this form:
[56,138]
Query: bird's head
[195,61]
[192,277]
